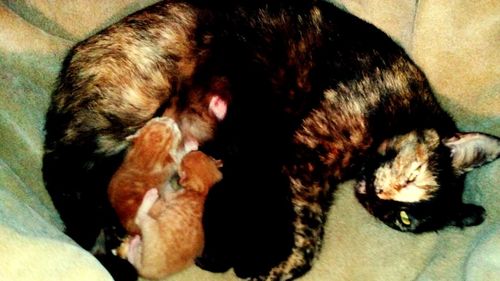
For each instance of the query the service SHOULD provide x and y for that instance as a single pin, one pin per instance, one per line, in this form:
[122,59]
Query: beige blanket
[456,43]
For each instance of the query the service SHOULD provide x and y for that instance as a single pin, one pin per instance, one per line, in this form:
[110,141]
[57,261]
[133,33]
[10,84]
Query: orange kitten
[149,162]
[170,222]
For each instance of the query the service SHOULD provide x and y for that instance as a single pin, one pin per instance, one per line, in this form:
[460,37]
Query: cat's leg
[310,203]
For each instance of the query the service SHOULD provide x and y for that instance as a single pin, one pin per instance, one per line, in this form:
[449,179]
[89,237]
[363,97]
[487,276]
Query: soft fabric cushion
[454,42]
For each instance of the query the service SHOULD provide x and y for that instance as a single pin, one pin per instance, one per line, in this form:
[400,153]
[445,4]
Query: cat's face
[416,181]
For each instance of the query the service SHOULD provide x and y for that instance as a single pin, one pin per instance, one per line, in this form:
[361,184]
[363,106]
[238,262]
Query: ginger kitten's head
[416,182]
[199,172]
[154,146]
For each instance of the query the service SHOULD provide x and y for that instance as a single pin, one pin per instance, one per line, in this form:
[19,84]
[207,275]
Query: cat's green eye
[404,218]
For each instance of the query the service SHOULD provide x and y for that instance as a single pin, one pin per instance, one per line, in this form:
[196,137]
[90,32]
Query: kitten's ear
[469,215]
[471,150]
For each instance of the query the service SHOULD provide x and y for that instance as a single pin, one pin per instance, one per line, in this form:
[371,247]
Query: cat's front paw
[469,215]
[273,277]
[134,249]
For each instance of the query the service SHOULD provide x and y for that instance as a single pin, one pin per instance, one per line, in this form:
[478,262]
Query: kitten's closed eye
[415,171]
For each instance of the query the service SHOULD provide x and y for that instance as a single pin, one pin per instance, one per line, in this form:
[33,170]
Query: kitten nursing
[150,161]
[314,96]
[164,225]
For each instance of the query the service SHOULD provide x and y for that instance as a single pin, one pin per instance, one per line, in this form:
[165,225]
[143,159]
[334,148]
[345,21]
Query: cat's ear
[471,150]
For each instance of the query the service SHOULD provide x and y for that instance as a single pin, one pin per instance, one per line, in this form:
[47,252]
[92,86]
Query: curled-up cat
[319,94]
[170,221]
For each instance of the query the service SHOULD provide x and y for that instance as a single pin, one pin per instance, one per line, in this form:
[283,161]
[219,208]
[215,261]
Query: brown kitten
[151,160]
[171,232]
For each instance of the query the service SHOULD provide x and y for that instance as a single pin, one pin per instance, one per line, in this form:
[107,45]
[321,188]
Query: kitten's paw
[148,201]
[122,250]
[134,246]
[151,196]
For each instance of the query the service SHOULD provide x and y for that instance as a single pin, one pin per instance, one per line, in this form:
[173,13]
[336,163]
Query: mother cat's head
[416,182]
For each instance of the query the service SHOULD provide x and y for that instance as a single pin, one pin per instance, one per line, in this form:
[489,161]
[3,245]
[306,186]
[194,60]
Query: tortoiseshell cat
[315,96]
